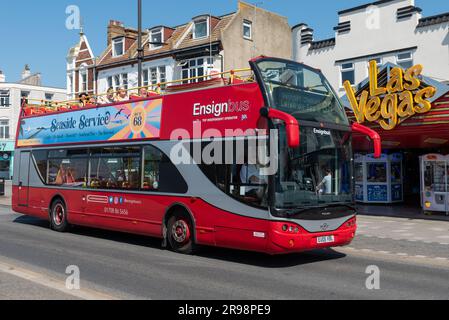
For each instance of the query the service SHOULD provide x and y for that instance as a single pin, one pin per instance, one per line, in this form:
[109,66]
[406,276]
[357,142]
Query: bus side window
[114,168]
[67,168]
[160,174]
[152,159]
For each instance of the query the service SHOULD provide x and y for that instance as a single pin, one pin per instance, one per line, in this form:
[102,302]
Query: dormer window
[118,47]
[247,29]
[156,38]
[201,28]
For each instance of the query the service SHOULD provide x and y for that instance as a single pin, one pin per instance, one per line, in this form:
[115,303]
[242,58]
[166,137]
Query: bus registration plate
[325,239]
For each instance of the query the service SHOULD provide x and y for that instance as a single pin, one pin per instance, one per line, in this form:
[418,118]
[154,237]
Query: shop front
[411,114]
[6,159]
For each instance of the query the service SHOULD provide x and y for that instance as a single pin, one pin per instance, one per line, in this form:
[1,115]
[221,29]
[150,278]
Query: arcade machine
[434,183]
[378,180]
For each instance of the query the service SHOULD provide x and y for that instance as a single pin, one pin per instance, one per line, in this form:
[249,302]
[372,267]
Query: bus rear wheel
[180,233]
[58,216]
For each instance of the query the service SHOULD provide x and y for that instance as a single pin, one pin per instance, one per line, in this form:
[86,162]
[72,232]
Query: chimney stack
[115,29]
[26,72]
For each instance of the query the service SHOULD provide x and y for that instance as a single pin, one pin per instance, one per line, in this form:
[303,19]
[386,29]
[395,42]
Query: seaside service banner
[128,121]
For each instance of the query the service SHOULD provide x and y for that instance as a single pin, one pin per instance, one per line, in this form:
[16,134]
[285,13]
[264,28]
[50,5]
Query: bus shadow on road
[267,261]
[228,255]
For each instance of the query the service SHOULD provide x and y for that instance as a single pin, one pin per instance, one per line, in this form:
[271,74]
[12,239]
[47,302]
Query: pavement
[6,199]
[401,211]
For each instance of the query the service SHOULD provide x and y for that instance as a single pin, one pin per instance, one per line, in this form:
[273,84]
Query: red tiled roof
[178,40]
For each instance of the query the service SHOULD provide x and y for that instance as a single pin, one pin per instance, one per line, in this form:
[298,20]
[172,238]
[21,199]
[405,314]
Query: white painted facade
[10,106]
[173,71]
[385,30]
[131,72]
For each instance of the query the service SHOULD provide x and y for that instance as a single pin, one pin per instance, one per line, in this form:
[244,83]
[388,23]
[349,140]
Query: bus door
[24,178]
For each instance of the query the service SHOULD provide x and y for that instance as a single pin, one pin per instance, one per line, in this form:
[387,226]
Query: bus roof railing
[32,106]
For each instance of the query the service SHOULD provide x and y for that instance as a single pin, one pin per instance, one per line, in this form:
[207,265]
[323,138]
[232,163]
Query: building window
[154,75]
[71,85]
[48,98]
[125,80]
[83,79]
[145,78]
[118,80]
[247,29]
[162,74]
[201,28]
[405,60]
[378,60]
[4,129]
[110,82]
[156,38]
[196,68]
[347,73]
[4,98]
[24,96]
[118,47]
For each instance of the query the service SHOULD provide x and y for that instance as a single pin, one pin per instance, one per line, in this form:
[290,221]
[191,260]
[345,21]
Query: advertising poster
[359,192]
[377,193]
[129,121]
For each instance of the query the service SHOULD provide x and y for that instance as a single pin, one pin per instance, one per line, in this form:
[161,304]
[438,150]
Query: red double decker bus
[262,164]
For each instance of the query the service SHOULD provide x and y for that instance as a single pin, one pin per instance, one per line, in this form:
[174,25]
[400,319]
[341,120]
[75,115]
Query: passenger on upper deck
[108,98]
[143,93]
[122,95]
[91,102]
[83,99]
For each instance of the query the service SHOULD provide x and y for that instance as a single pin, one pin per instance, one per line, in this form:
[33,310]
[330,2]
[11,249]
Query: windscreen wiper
[293,212]
[334,205]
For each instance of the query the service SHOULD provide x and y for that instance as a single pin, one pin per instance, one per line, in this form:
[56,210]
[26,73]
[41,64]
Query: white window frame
[248,24]
[192,71]
[5,98]
[399,61]
[110,82]
[114,42]
[83,72]
[346,70]
[119,80]
[148,79]
[380,63]
[5,129]
[71,85]
[201,20]
[156,30]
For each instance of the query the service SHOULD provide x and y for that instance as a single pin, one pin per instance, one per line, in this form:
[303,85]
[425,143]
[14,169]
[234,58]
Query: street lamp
[139,44]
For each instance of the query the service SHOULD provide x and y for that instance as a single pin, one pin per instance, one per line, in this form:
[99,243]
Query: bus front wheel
[180,233]
[58,216]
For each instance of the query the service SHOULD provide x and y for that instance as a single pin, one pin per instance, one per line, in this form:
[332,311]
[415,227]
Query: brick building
[195,48]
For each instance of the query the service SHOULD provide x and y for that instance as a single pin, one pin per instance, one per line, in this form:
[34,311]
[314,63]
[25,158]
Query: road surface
[412,257]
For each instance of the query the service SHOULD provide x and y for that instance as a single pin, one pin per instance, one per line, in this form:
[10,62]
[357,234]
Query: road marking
[52,283]
[441,258]
[396,257]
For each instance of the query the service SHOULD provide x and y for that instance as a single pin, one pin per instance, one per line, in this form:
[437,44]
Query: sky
[34,32]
